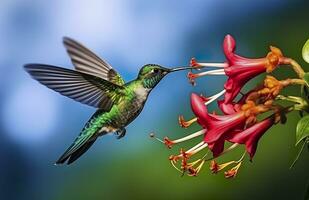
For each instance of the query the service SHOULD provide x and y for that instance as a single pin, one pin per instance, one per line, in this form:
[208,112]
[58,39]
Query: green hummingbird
[97,84]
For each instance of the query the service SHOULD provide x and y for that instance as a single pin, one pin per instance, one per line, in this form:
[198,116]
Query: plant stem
[301,104]
[296,67]
[298,155]
[297,81]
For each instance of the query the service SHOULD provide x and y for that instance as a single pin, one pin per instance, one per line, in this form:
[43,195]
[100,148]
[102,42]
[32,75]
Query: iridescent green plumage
[97,84]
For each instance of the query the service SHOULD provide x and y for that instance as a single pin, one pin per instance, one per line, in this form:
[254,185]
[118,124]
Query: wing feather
[87,62]
[81,87]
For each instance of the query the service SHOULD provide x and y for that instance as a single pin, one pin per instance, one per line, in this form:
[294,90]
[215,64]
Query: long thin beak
[180,68]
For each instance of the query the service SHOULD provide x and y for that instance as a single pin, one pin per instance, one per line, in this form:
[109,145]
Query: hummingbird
[95,83]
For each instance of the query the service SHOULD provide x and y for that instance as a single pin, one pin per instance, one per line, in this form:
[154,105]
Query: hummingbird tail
[71,157]
[84,141]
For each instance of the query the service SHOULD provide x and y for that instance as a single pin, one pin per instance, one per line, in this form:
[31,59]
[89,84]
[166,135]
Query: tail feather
[71,156]
[84,141]
[80,151]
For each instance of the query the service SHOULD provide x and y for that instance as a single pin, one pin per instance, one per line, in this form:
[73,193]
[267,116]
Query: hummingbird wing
[88,62]
[84,88]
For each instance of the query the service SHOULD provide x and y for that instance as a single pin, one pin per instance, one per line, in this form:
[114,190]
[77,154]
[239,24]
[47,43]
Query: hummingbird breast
[131,105]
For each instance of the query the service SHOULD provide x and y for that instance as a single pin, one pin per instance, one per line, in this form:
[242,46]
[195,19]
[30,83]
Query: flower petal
[250,136]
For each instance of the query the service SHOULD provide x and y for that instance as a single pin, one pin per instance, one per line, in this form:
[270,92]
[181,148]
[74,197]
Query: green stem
[300,103]
[297,81]
[296,67]
[298,155]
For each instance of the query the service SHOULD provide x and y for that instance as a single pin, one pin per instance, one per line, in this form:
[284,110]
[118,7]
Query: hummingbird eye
[155,70]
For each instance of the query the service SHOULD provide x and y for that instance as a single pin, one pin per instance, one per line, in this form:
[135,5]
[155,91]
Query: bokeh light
[30,118]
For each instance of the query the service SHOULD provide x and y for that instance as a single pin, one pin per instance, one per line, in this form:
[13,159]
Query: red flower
[239,127]
[239,123]
[250,136]
[231,107]
[217,126]
[240,69]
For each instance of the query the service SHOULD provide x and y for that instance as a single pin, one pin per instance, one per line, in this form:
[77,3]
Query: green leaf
[306,79]
[302,129]
[305,51]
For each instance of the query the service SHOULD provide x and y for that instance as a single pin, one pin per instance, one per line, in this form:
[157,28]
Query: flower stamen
[152,135]
[193,151]
[185,124]
[191,76]
[194,63]
[189,167]
[195,147]
[232,172]
[185,155]
[173,164]
[215,167]
[214,97]
[233,146]
[194,171]
[169,143]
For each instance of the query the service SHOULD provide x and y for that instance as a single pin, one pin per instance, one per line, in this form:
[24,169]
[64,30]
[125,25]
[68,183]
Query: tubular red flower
[231,107]
[228,108]
[240,69]
[250,136]
[216,126]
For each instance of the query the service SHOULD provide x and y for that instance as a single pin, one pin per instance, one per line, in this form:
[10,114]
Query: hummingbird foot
[120,133]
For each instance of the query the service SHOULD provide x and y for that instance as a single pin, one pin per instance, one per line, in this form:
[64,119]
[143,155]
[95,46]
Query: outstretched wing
[87,62]
[84,88]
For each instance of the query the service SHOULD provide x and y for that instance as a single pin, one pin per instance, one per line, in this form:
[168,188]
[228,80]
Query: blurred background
[37,124]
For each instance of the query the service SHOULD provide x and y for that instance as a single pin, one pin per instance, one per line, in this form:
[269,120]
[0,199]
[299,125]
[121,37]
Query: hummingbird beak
[179,69]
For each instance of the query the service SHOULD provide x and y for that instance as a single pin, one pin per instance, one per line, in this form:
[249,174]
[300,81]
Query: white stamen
[221,65]
[212,72]
[214,97]
[193,135]
[225,151]
[229,149]
[195,147]
[199,148]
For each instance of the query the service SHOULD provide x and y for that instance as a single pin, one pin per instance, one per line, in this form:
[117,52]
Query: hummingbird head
[152,74]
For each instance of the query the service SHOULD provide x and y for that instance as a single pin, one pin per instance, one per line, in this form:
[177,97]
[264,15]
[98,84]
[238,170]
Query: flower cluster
[239,123]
